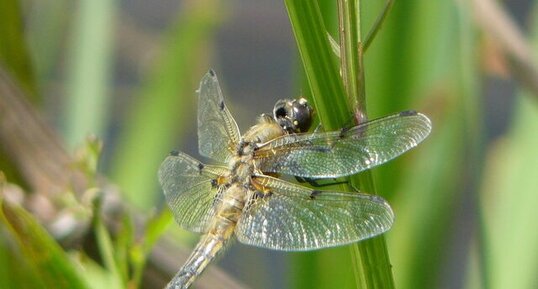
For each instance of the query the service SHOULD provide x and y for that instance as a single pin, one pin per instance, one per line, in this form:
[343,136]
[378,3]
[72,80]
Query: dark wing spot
[221,105]
[212,72]
[214,183]
[258,195]
[408,113]
[314,194]
[262,194]
[343,132]
[200,167]
[321,149]
[174,153]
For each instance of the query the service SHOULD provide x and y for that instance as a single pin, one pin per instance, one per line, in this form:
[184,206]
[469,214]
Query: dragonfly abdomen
[205,251]
[219,232]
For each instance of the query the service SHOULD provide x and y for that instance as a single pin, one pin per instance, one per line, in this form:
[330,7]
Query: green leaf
[14,271]
[46,258]
[89,71]
[319,63]
[107,252]
[123,244]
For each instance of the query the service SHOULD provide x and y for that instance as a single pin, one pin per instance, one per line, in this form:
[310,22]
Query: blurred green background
[464,200]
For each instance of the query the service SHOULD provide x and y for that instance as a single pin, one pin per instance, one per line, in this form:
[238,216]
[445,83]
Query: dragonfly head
[294,116]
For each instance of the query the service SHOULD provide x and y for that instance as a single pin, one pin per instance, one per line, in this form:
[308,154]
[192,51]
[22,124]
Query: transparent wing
[342,153]
[296,218]
[190,190]
[217,130]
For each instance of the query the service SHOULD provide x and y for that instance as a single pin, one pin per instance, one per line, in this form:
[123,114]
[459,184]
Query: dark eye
[281,109]
[302,117]
[280,112]
[293,115]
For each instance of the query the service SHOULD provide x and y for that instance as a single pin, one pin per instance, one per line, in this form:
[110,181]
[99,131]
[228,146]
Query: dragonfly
[243,197]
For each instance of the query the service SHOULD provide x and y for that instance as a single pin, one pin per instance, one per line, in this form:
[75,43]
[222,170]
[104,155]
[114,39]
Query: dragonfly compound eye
[302,115]
[293,115]
[281,109]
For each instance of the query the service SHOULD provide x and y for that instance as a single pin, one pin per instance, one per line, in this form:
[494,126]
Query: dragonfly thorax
[266,129]
[242,169]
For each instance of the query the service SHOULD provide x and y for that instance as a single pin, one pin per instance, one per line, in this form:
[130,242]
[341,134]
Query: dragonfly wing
[217,130]
[296,218]
[191,190]
[342,153]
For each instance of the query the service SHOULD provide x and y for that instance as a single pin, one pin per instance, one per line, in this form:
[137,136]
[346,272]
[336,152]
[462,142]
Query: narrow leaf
[46,257]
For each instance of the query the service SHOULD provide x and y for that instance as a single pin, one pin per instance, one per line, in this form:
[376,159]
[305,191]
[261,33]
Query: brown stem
[502,29]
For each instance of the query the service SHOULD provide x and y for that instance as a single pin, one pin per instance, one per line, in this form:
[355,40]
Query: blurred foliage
[14,55]
[428,56]
[89,70]
[151,127]
[43,256]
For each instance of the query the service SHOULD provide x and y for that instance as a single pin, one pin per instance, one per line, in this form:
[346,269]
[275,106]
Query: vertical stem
[89,70]
[351,56]
[370,258]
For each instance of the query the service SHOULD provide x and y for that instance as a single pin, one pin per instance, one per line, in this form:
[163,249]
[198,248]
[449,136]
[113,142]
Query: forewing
[296,218]
[190,190]
[217,130]
[342,153]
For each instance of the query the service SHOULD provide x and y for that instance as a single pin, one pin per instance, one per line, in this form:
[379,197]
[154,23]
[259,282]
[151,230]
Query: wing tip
[212,72]
[408,113]
[174,153]
[427,123]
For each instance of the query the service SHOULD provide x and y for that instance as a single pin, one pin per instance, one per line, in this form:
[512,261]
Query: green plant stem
[377,24]
[371,260]
[351,55]
[335,110]
[318,62]
[89,70]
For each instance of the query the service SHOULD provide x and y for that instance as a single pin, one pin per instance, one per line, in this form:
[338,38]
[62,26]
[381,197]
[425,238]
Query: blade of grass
[319,63]
[89,71]
[124,240]
[106,250]
[45,256]
[162,106]
[15,272]
[377,24]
